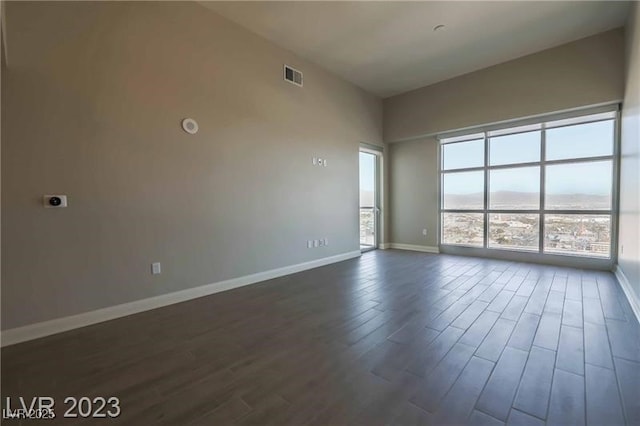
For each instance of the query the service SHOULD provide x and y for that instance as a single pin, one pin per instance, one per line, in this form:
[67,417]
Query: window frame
[542,124]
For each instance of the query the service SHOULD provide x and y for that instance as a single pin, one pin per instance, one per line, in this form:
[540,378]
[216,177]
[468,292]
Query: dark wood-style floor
[394,337]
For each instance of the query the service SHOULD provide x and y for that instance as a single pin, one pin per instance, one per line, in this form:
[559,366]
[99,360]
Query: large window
[545,187]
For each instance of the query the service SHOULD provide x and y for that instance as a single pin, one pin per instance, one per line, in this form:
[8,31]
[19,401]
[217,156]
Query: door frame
[377,152]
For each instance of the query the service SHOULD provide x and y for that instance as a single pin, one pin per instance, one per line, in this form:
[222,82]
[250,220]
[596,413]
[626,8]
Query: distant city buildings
[566,234]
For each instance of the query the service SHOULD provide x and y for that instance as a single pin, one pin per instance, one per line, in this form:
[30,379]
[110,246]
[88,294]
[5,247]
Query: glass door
[369,197]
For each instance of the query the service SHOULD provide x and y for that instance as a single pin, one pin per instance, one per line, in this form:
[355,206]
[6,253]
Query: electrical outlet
[318,161]
[322,242]
[156,268]
[424,232]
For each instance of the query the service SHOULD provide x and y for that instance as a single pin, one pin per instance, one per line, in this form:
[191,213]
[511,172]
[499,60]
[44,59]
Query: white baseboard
[628,291]
[412,247]
[384,246]
[47,328]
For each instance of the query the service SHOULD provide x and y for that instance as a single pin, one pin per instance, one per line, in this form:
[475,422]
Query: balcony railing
[367,226]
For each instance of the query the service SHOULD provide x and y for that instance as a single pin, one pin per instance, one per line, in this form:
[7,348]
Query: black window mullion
[543,191]
[542,211]
[485,243]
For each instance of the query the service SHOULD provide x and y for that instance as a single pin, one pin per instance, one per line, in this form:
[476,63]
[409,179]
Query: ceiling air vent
[292,75]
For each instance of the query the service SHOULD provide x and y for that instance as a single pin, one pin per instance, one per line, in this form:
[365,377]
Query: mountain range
[524,200]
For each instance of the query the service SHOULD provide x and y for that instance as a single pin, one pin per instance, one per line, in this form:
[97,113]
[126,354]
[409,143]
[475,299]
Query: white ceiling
[389,47]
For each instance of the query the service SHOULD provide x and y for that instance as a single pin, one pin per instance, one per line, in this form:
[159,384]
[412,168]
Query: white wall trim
[58,325]
[412,247]
[384,246]
[628,290]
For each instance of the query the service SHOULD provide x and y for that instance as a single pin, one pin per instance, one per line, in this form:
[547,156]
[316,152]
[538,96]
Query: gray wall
[414,192]
[629,257]
[586,72]
[91,106]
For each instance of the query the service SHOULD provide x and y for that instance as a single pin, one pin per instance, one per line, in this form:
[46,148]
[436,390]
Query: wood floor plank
[518,418]
[228,412]
[416,326]
[590,289]
[388,404]
[470,315]
[625,339]
[527,287]
[266,413]
[478,418]
[572,313]
[473,294]
[609,297]
[596,346]
[567,405]
[574,288]
[555,302]
[514,308]
[501,301]
[424,361]
[548,331]
[490,278]
[524,332]
[393,363]
[443,320]
[535,387]
[538,298]
[410,415]
[497,396]
[515,282]
[559,284]
[628,375]
[603,399]
[592,311]
[505,277]
[571,350]
[492,346]
[457,405]
[441,378]
[490,293]
[468,339]
[479,330]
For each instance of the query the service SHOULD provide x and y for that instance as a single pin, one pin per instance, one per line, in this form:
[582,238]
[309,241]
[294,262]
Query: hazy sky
[367,171]
[581,178]
[586,140]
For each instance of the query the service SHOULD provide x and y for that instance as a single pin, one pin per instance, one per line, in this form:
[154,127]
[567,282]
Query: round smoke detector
[190,126]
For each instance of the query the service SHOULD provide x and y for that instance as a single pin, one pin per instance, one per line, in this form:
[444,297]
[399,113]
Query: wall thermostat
[55,201]
[190,126]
